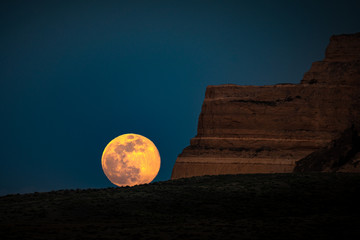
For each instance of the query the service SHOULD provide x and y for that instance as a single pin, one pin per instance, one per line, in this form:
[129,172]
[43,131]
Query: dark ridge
[268,103]
[192,150]
[198,147]
[258,206]
[313,81]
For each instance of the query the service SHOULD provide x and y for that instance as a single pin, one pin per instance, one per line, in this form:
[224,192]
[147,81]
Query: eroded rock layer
[267,129]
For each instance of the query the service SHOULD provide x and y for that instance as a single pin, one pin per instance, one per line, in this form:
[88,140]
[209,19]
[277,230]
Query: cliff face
[267,129]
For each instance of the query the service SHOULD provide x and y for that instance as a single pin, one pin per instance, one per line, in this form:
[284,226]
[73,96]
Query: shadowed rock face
[267,129]
[342,154]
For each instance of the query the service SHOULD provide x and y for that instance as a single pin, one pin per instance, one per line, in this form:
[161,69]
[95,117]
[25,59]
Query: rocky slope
[342,154]
[267,129]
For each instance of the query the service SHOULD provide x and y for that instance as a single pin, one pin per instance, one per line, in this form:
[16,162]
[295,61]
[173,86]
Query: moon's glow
[130,159]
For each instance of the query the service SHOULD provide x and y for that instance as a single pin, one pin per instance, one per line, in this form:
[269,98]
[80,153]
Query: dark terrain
[260,206]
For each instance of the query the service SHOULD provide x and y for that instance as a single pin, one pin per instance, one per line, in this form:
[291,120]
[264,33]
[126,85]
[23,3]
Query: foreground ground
[273,206]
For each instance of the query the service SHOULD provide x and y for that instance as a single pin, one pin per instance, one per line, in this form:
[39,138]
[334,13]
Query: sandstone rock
[267,129]
[341,65]
[342,155]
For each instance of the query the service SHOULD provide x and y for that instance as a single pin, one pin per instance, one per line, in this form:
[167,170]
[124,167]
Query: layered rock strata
[267,129]
[341,155]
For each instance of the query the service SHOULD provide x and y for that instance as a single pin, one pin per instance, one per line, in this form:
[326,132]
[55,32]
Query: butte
[310,126]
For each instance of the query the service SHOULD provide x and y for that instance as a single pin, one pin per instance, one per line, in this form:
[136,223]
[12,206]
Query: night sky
[76,74]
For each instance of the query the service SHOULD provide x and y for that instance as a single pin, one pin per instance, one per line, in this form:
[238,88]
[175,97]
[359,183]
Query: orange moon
[130,159]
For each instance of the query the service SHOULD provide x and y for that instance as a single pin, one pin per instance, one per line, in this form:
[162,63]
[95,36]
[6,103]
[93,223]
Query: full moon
[130,159]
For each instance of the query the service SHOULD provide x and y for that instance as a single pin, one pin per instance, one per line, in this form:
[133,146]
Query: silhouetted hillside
[261,206]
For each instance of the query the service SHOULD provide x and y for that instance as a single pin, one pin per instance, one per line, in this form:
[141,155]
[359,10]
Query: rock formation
[268,129]
[342,154]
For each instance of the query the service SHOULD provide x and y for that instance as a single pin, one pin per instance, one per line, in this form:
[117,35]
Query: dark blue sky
[76,74]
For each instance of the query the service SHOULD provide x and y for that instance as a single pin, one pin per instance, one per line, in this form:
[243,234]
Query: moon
[130,159]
